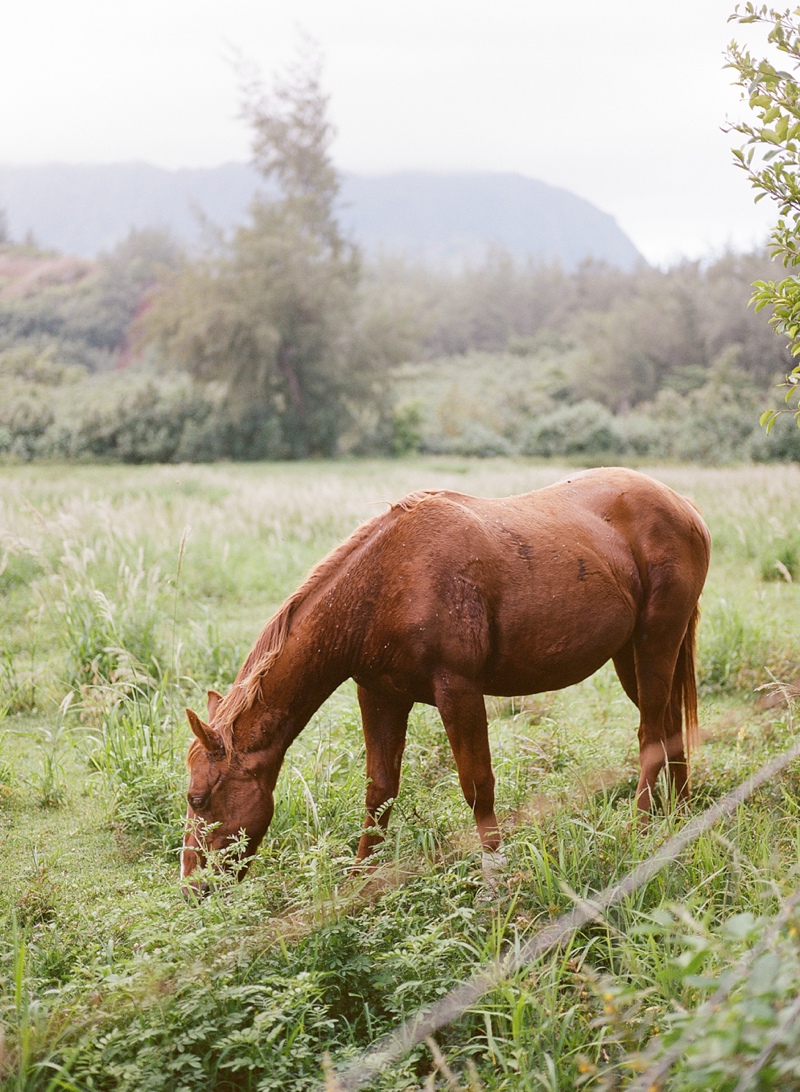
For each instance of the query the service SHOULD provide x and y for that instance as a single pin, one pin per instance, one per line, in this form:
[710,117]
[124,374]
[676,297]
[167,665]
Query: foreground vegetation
[125,594]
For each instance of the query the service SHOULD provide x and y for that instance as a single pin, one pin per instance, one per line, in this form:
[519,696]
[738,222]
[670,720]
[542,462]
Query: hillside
[441,219]
[24,274]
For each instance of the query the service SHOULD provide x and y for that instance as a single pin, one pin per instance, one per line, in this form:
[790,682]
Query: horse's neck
[309,667]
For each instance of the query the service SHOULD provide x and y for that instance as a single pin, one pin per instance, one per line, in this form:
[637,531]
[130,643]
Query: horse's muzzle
[194,892]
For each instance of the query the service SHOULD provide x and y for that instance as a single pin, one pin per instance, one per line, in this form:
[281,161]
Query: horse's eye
[196,801]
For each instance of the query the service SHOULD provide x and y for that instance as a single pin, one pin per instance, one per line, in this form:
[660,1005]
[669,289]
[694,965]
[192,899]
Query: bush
[133,416]
[406,428]
[782,444]
[583,429]
[475,439]
[641,435]
[485,405]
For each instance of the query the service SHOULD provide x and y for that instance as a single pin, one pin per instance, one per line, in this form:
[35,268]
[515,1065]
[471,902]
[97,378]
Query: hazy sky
[621,101]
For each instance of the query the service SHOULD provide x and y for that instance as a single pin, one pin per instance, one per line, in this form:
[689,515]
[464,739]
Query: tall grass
[110,641]
[128,987]
[137,751]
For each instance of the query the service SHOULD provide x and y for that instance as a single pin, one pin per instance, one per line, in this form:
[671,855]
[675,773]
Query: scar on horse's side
[446,598]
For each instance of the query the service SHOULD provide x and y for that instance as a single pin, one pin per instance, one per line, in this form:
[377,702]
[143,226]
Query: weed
[37,901]
[17,686]
[136,736]
[29,1040]
[50,778]
[149,812]
[779,553]
[748,969]
[212,658]
[6,779]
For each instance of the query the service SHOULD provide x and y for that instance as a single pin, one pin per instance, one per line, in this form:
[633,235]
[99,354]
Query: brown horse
[446,598]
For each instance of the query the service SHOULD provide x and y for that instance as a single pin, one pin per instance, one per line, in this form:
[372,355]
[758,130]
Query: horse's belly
[512,680]
[557,653]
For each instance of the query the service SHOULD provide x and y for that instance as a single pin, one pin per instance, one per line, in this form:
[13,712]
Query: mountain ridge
[436,218]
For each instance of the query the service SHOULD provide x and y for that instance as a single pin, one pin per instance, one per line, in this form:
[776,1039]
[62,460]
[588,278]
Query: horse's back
[606,511]
[537,591]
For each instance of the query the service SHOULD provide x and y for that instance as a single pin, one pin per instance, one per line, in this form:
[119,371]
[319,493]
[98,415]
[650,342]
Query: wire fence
[556,933]
[658,1067]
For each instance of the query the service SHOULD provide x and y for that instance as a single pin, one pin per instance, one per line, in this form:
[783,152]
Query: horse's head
[230,792]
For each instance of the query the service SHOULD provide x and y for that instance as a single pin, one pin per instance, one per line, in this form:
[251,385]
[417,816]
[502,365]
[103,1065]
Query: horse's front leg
[384,720]
[463,713]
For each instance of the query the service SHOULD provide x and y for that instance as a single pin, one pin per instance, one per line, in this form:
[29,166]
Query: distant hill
[442,218]
[437,218]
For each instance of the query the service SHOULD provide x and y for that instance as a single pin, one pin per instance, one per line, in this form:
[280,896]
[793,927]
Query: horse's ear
[204,732]
[213,701]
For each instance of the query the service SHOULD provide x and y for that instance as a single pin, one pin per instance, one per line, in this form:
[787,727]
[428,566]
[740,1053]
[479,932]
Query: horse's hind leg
[660,735]
[670,748]
[625,666]
[384,722]
[463,713]
[677,770]
[650,668]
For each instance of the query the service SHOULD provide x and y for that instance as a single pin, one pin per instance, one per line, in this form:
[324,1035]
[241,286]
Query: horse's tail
[686,684]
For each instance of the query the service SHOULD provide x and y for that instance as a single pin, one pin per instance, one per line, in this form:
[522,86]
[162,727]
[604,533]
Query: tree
[133,269]
[271,312]
[771,159]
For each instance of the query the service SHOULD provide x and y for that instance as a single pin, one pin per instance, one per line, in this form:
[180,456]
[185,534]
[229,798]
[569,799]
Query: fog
[622,103]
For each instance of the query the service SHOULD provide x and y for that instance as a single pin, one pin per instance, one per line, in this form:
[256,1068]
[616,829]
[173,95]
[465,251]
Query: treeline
[500,358]
[599,364]
[640,329]
[279,341]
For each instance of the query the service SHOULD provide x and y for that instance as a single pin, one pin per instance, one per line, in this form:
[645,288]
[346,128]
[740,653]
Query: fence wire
[557,932]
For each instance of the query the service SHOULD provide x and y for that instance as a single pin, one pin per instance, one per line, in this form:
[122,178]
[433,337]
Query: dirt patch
[24,275]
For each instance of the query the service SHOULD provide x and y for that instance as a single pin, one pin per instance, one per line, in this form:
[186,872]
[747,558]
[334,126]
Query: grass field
[125,593]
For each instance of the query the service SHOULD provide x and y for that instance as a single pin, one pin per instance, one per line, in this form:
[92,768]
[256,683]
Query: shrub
[476,439]
[782,444]
[641,435]
[406,428]
[148,427]
[586,428]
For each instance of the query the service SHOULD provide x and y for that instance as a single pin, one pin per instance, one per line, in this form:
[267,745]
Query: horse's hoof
[493,865]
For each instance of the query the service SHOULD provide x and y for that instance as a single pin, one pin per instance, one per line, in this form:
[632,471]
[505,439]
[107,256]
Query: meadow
[126,592]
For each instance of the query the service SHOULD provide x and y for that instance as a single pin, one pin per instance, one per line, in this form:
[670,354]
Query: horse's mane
[411,500]
[272,639]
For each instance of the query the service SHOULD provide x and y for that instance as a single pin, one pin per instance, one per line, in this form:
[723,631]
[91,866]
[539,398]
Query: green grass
[109,980]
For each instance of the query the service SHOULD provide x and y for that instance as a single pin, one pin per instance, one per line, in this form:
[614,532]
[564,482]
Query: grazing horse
[446,598]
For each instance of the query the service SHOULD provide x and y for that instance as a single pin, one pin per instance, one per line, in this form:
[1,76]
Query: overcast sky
[620,102]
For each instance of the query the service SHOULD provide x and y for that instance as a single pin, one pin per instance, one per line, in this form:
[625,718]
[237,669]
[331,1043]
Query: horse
[446,598]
